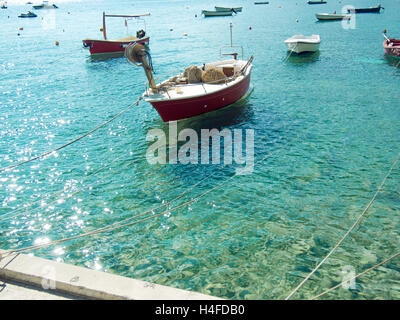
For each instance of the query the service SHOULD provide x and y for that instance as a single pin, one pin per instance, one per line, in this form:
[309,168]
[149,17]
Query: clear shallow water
[329,122]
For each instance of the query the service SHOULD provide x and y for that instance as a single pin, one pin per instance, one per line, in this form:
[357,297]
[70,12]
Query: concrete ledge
[86,283]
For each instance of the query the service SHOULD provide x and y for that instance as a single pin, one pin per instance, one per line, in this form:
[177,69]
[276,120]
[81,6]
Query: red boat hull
[104,46]
[178,109]
[393,50]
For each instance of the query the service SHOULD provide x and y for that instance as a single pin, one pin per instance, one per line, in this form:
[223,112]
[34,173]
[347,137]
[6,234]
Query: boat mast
[104,26]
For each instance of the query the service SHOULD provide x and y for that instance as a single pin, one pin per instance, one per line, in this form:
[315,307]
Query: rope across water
[71,142]
[348,231]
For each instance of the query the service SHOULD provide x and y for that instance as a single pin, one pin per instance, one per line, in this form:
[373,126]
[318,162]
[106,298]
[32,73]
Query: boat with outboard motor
[376,9]
[199,89]
[391,46]
[115,46]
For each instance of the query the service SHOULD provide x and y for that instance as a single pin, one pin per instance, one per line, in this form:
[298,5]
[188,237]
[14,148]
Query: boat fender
[140,34]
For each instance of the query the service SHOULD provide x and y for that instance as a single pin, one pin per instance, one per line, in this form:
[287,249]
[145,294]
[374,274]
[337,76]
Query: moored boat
[332,16]
[234,9]
[317,2]
[199,89]
[29,14]
[209,13]
[391,46]
[262,2]
[301,43]
[115,46]
[45,5]
[376,9]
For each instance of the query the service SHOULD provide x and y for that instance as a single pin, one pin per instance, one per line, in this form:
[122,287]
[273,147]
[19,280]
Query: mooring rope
[290,53]
[11,214]
[357,276]
[71,142]
[118,225]
[106,228]
[348,231]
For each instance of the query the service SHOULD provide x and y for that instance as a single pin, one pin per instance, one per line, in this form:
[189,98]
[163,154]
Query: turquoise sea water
[326,125]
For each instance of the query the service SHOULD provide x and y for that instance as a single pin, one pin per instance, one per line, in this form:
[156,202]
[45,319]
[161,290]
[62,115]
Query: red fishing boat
[115,46]
[391,46]
[199,89]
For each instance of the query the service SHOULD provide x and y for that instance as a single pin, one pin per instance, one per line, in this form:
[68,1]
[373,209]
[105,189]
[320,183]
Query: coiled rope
[71,142]
[348,231]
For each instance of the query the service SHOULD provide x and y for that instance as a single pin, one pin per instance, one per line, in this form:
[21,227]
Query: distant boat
[208,13]
[391,46]
[45,5]
[115,46]
[234,9]
[27,15]
[376,9]
[332,16]
[317,2]
[263,2]
[4,6]
[300,43]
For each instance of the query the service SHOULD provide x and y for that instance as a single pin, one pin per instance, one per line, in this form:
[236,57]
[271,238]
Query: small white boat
[45,5]
[235,9]
[332,16]
[300,43]
[209,13]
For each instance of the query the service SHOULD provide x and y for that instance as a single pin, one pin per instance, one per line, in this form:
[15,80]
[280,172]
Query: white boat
[236,9]
[209,13]
[332,16]
[45,5]
[300,43]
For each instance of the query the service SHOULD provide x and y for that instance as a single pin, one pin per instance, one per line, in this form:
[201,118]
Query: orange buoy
[57,43]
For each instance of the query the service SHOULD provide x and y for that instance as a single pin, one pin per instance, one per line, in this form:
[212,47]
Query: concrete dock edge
[62,278]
